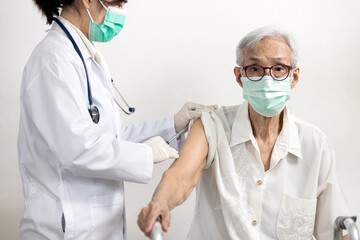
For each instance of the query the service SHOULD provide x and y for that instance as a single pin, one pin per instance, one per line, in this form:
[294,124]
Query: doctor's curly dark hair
[51,8]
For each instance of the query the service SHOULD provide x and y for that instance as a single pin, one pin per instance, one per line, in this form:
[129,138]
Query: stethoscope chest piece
[94,113]
[93,110]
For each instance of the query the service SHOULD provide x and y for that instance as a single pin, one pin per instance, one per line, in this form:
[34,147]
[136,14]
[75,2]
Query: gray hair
[254,37]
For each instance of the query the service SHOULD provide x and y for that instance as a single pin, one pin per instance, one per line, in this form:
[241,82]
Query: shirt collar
[288,139]
[290,136]
[241,129]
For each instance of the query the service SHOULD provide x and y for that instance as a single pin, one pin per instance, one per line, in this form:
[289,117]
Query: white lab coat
[67,163]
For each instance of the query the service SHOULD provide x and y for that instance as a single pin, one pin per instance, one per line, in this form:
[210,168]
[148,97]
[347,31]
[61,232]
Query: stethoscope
[93,110]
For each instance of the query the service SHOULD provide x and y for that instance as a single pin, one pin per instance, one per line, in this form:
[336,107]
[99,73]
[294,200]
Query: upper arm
[192,160]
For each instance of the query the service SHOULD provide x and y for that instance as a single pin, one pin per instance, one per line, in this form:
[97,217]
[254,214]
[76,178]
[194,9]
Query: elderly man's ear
[295,80]
[237,73]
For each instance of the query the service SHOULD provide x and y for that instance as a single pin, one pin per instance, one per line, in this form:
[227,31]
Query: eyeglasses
[278,72]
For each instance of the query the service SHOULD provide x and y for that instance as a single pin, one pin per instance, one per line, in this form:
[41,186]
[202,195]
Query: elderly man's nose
[267,72]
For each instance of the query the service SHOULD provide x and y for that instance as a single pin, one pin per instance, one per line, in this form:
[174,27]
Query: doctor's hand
[189,112]
[161,150]
[148,215]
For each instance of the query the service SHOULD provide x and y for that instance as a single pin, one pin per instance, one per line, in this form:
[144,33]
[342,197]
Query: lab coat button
[32,190]
[259,182]
[254,223]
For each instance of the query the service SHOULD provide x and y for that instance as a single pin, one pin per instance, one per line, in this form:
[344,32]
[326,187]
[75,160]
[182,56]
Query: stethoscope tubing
[80,55]
[93,110]
[130,109]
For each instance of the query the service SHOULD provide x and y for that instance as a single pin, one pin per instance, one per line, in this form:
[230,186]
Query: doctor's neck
[78,18]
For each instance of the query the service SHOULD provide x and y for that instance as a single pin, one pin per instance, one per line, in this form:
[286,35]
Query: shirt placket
[256,184]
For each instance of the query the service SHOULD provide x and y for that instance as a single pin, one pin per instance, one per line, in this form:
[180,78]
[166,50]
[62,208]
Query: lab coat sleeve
[331,201]
[57,108]
[140,132]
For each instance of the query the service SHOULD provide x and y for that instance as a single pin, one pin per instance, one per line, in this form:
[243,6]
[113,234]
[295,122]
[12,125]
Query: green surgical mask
[112,25]
[267,96]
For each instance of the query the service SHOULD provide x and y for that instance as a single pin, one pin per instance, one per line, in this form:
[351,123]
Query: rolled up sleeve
[331,201]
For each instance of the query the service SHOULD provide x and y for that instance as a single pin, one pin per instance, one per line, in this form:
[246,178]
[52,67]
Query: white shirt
[297,198]
[67,163]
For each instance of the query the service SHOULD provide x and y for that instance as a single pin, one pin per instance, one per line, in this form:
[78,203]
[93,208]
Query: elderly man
[260,172]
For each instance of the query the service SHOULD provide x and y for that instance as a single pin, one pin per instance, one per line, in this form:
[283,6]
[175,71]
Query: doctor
[74,153]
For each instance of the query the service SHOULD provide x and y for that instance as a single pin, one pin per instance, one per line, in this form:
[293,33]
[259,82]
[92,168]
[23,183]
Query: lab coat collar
[94,53]
[75,33]
[288,139]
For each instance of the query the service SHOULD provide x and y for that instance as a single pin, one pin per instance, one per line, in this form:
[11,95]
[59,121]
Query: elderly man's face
[268,52]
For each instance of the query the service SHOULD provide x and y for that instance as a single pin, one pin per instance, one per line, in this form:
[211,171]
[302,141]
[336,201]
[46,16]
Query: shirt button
[32,190]
[259,182]
[254,223]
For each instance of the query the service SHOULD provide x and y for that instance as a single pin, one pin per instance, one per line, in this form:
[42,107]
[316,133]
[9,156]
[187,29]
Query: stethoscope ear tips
[131,109]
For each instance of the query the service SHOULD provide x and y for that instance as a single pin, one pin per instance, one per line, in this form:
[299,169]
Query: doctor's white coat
[67,163]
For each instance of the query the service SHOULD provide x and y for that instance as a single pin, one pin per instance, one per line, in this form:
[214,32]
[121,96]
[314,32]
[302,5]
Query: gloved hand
[189,112]
[161,150]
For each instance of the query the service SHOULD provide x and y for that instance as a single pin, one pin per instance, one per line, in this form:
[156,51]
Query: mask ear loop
[292,75]
[89,11]
[103,5]
[241,70]
[90,15]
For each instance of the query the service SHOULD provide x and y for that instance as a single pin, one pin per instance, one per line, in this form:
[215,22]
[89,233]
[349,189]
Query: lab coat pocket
[106,214]
[296,218]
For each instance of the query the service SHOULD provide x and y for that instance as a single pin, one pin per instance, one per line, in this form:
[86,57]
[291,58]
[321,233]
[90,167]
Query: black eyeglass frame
[287,66]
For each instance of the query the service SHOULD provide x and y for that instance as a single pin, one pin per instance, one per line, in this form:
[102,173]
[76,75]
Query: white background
[171,52]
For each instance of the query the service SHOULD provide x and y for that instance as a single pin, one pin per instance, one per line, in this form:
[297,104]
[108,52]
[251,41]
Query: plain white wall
[175,51]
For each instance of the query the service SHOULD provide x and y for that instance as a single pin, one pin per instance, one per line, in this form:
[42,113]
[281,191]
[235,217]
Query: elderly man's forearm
[180,179]
[173,190]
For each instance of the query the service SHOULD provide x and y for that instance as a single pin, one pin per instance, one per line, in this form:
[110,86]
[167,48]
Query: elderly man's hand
[149,214]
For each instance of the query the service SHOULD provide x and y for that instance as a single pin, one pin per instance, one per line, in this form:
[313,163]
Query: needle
[176,135]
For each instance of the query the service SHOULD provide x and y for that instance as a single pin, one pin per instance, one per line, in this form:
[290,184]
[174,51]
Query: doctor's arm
[166,127]
[57,110]
[140,132]
[178,181]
